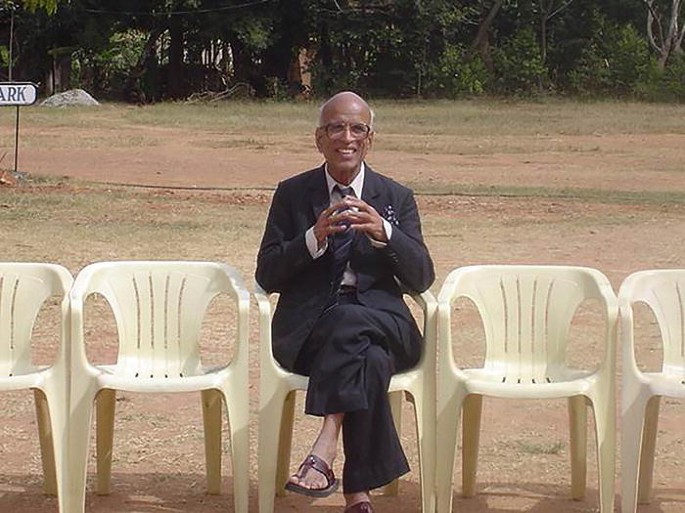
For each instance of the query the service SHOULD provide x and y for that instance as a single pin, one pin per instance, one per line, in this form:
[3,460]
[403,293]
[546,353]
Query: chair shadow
[496,497]
[408,500]
[155,493]
[507,497]
[147,492]
[151,492]
[23,493]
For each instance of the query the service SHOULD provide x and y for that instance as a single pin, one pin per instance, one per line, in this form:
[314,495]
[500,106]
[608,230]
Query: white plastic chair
[663,291]
[526,313]
[277,407]
[24,289]
[158,308]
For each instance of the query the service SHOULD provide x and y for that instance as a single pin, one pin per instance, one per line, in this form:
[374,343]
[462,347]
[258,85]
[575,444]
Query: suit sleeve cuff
[312,244]
[388,233]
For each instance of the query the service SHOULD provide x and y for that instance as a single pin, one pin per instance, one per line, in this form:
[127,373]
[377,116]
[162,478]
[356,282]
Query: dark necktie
[342,244]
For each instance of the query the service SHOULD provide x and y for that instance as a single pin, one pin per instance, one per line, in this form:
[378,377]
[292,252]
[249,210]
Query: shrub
[518,64]
[615,61]
[456,74]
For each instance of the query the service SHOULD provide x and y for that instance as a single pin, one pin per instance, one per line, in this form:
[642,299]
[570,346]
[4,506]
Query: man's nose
[347,133]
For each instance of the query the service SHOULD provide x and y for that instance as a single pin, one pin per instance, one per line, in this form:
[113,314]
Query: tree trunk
[134,90]
[667,40]
[481,43]
[59,74]
[241,61]
[175,71]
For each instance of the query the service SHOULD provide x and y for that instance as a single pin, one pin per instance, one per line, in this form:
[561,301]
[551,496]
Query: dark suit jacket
[284,264]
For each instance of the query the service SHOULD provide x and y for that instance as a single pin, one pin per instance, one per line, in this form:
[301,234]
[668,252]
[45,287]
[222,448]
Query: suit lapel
[373,195]
[318,192]
[373,192]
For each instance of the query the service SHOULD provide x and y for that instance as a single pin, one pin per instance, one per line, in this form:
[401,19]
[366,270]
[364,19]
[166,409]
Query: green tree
[518,63]
[50,6]
[616,62]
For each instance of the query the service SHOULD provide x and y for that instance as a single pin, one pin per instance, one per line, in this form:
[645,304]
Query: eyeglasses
[358,131]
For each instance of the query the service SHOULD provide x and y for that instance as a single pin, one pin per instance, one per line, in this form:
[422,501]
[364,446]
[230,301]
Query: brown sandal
[313,462]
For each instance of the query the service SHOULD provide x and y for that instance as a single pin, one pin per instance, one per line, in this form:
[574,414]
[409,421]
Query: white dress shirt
[357,185]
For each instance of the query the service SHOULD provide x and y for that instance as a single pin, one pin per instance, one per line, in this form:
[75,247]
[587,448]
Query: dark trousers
[349,358]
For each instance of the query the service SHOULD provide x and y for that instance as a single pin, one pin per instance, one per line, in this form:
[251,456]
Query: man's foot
[358,502]
[360,507]
[314,478]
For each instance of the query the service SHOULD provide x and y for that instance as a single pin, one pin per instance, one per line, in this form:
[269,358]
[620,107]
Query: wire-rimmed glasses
[358,131]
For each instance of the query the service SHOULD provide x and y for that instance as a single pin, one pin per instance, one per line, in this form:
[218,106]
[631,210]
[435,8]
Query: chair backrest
[527,313]
[663,291]
[24,288]
[158,308]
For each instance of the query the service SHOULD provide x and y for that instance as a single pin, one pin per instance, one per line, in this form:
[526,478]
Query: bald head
[344,135]
[348,100]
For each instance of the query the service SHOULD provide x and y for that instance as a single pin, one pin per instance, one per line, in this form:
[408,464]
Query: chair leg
[106,404]
[473,407]
[78,443]
[446,437]
[651,421]
[45,436]
[273,416]
[395,398]
[285,442]
[605,432]
[211,417]
[577,410]
[238,411]
[632,436]
[425,435]
[55,414]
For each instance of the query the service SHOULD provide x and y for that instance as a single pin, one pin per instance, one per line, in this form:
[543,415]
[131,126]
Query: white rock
[68,98]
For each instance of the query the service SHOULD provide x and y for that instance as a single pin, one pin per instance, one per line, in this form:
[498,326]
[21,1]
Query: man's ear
[317,139]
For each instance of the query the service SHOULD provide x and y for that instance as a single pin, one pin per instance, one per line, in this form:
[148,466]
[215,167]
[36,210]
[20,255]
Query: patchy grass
[77,225]
[553,448]
[480,118]
[575,193]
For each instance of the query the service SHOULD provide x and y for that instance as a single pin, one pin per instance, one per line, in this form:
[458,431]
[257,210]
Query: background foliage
[151,50]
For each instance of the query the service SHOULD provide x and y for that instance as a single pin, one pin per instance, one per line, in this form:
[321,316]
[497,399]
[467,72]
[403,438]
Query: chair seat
[110,378]
[671,385]
[404,380]
[22,381]
[559,384]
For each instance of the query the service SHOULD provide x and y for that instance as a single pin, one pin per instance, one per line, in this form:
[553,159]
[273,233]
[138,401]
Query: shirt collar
[357,184]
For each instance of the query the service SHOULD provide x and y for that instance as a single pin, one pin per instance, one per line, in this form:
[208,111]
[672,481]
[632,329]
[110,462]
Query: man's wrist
[387,229]
[315,248]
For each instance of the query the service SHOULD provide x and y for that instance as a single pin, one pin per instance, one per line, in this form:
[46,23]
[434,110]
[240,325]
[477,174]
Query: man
[340,243]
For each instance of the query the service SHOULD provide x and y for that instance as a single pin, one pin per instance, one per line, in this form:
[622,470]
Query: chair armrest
[448,290]
[262,301]
[266,357]
[426,300]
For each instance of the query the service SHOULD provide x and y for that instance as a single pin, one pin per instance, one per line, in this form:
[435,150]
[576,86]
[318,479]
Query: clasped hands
[349,213]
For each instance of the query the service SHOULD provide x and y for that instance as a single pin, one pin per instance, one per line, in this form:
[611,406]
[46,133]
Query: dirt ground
[524,447]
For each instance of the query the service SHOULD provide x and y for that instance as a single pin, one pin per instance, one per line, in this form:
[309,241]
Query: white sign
[18,93]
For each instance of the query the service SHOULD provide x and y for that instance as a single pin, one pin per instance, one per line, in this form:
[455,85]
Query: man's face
[344,137]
